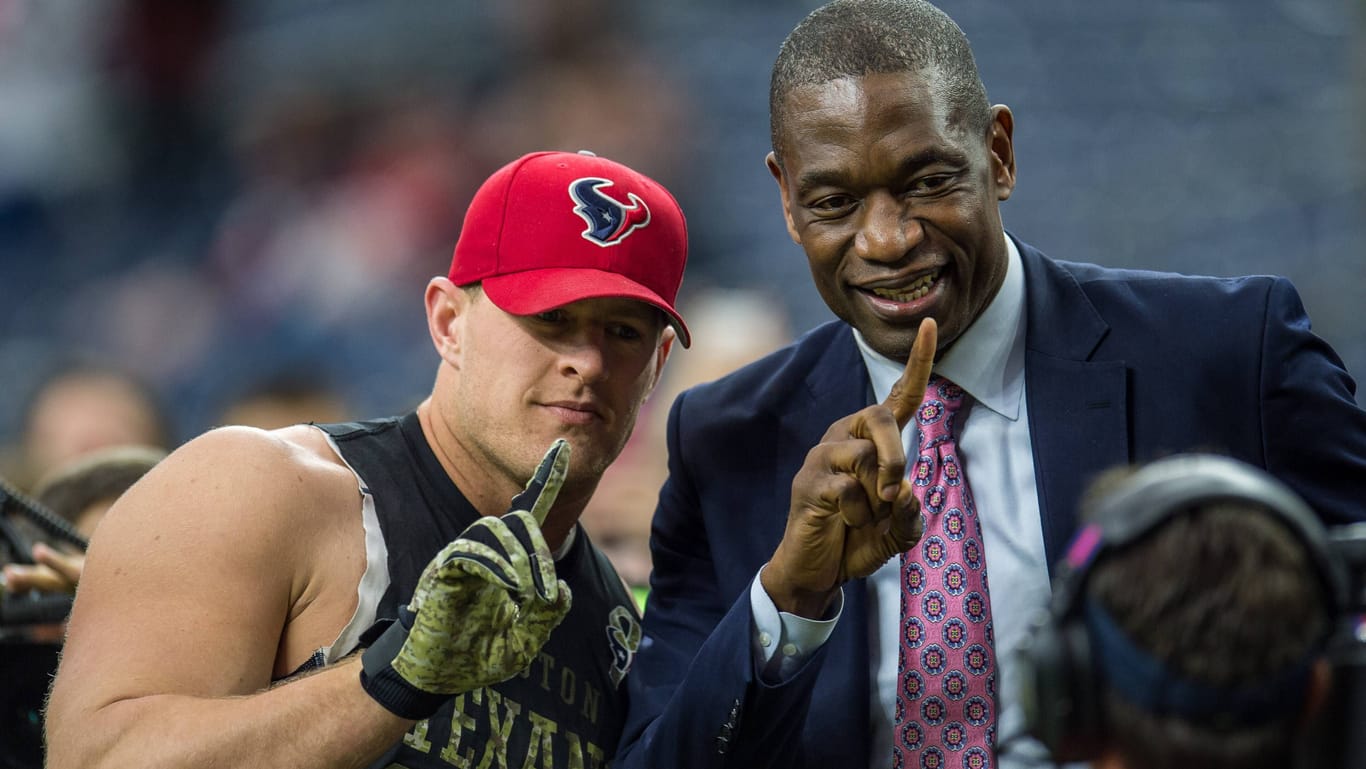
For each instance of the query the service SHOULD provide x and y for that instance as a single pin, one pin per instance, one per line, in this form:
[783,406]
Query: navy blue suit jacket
[1121,367]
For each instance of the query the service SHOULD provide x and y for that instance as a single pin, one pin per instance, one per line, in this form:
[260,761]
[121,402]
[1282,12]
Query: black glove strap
[480,531]
[386,686]
[519,530]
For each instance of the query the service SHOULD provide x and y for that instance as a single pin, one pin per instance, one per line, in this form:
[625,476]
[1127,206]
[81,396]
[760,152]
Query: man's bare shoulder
[258,472]
[223,540]
[255,498]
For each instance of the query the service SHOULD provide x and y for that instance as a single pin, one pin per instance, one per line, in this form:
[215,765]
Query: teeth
[910,293]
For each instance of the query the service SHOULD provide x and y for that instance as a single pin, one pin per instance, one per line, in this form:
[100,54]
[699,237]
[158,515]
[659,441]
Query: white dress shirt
[994,445]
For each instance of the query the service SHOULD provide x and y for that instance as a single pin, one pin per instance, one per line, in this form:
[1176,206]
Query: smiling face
[895,205]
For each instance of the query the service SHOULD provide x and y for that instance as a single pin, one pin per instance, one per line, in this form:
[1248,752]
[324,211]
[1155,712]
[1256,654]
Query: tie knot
[937,410]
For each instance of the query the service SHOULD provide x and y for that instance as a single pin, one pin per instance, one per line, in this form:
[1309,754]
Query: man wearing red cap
[227,591]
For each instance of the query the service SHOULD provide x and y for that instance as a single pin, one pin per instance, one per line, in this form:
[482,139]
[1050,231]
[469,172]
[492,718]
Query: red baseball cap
[551,228]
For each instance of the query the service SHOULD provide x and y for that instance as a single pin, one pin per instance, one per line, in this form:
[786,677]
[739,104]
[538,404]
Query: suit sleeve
[696,698]
[1313,431]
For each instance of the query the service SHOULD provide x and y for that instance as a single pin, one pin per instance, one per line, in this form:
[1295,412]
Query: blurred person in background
[83,407]
[83,490]
[278,555]
[1189,623]
[80,492]
[284,399]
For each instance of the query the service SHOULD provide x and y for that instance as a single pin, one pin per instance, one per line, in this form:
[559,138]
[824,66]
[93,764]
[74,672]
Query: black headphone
[1075,650]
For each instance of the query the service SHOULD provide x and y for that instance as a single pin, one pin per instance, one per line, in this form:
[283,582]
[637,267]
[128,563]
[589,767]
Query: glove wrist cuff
[379,679]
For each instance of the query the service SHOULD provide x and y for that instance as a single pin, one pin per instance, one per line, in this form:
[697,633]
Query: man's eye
[930,184]
[624,331]
[832,205]
[551,316]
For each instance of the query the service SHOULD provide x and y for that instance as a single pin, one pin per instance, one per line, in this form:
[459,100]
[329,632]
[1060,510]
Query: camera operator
[1190,624]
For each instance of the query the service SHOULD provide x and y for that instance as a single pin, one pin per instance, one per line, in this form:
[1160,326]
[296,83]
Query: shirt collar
[987,360]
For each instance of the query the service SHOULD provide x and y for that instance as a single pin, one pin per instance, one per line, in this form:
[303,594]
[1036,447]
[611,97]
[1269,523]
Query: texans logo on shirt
[623,635]
[609,220]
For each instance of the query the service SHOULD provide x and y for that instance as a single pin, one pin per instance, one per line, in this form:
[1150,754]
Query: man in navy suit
[772,636]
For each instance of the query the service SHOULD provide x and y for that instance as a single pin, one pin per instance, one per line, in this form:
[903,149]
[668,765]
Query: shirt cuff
[783,641]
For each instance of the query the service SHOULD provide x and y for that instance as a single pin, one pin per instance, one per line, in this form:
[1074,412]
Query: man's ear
[666,344]
[1320,683]
[447,307]
[1001,144]
[777,170]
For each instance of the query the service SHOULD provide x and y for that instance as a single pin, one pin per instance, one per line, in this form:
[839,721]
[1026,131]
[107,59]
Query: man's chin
[890,342]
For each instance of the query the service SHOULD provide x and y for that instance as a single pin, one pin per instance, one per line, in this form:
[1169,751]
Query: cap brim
[533,291]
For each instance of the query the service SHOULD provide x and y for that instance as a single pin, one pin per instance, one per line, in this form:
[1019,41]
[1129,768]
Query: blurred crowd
[211,193]
[225,211]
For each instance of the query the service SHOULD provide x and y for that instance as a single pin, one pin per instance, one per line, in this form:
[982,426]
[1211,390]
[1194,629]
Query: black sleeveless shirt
[567,709]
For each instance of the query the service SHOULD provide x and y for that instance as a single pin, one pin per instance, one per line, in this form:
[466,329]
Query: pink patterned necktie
[946,700]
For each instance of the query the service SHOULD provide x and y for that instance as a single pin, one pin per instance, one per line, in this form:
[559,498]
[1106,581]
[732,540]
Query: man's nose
[583,356]
[886,232]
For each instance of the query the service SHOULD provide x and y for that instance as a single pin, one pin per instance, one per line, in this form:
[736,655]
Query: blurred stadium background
[215,193]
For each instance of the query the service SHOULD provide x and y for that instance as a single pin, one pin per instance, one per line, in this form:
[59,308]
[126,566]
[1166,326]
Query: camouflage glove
[482,608]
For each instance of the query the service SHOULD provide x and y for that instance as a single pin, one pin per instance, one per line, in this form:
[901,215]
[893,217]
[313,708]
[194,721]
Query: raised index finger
[909,390]
[545,483]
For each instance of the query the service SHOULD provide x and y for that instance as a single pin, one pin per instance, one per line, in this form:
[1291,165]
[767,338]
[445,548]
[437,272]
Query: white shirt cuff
[783,641]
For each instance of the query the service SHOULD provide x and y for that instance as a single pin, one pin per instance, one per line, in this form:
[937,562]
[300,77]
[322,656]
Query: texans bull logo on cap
[530,254]
[609,220]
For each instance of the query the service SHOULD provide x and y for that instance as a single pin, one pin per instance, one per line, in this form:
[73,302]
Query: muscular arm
[323,720]
[211,575]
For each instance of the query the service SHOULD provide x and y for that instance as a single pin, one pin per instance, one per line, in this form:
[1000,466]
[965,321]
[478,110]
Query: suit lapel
[1078,408]
[836,387]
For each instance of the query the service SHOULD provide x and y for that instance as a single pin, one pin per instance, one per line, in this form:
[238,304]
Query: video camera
[29,642]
